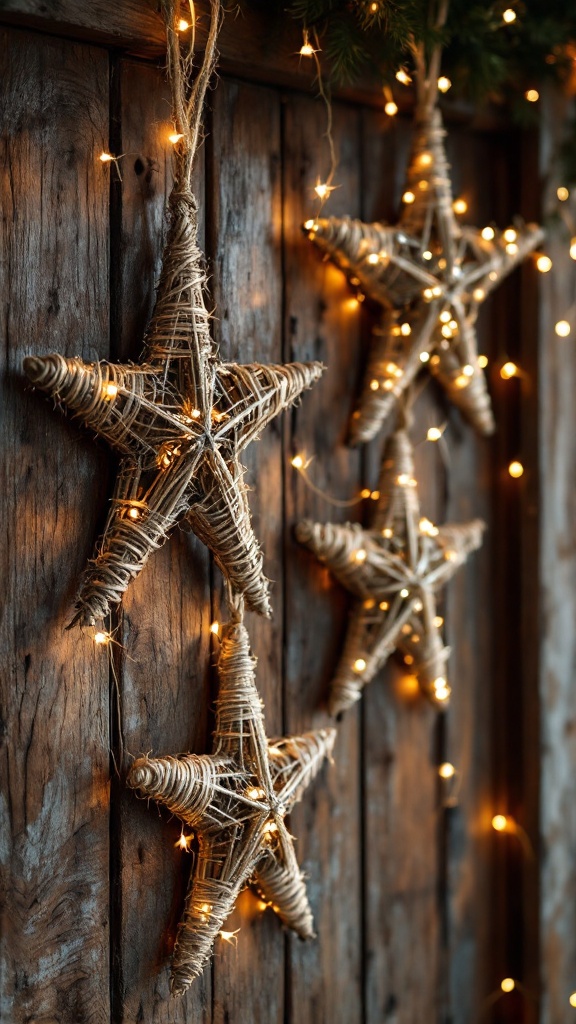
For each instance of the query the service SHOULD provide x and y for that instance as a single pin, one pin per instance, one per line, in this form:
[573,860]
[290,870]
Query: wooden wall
[418,907]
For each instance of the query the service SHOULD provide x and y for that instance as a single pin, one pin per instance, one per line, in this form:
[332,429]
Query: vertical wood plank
[164,688]
[557,450]
[325,976]
[245,233]
[55,743]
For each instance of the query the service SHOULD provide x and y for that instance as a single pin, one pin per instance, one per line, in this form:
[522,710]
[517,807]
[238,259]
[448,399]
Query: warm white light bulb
[487,234]
[446,770]
[444,83]
[359,665]
[509,16]
[408,197]
[562,328]
[459,206]
[508,370]
[562,193]
[175,137]
[544,263]
[297,462]
[532,95]
[391,108]
[516,469]
[507,984]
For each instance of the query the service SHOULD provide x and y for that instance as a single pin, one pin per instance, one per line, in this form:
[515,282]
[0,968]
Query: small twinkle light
[427,255]
[510,235]
[261,906]
[391,108]
[444,83]
[359,665]
[478,294]
[438,621]
[408,659]
[509,16]
[297,462]
[215,628]
[102,639]
[441,689]
[175,137]
[511,248]
[425,526]
[573,248]
[360,555]
[183,841]
[425,159]
[403,77]
[445,316]
[516,469]
[462,381]
[437,291]
[195,414]
[109,390]
[373,258]
[405,330]
[428,293]
[572,999]
[508,370]
[403,480]
[482,362]
[562,328]
[105,158]
[134,512]
[532,95]
[507,984]
[387,532]
[374,385]
[384,606]
[459,206]
[375,495]
[487,234]
[255,793]
[271,826]
[447,331]
[433,434]
[310,225]
[306,50]
[183,25]
[446,770]
[404,592]
[408,198]
[322,189]
[544,263]
[500,823]
[231,937]
[374,7]
[424,357]
[468,370]
[562,193]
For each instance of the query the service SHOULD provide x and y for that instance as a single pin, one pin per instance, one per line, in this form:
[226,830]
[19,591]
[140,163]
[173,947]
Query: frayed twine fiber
[236,800]
[431,275]
[180,418]
[394,571]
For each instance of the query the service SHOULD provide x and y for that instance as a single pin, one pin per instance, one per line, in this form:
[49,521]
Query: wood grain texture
[246,235]
[325,976]
[55,742]
[164,669]
[557,449]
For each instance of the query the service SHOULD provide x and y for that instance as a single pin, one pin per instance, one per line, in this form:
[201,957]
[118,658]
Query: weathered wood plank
[557,450]
[402,822]
[245,231]
[55,741]
[325,976]
[164,689]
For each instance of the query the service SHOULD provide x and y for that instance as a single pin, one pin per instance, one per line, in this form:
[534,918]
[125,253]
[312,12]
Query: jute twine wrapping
[425,267]
[236,800]
[180,418]
[394,571]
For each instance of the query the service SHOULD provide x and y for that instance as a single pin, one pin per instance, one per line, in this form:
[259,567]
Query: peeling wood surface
[409,897]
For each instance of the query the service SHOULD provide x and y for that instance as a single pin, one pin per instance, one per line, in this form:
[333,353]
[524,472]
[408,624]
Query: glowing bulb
[373,258]
[510,235]
[405,330]
[508,370]
[408,198]
[215,628]
[509,16]
[434,434]
[374,7]
[446,770]
[306,50]
[359,665]
[459,206]
[183,25]
[424,357]
[404,592]
[391,108]
[482,362]
[562,193]
[310,225]
[375,495]
[516,469]
[270,826]
[387,532]
[255,793]
[425,526]
[384,606]
[105,158]
[134,512]
[403,77]
[109,390]
[487,234]
[532,95]
[444,83]
[297,462]
[369,603]
[427,255]
[175,137]
[360,555]
[428,293]
[438,621]
[206,908]
[403,480]
[511,248]
[322,190]
[562,328]
[102,638]
[447,331]
[445,316]
[230,937]
[462,381]
[437,291]
[499,822]
[507,984]
[572,999]
[478,294]
[195,414]
[441,689]
[374,385]
[573,248]
[261,906]
[408,659]
[183,841]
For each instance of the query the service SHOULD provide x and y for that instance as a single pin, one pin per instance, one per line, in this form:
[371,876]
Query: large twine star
[236,800]
[431,275]
[394,570]
[182,417]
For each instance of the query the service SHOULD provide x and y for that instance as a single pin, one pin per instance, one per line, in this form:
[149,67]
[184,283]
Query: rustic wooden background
[420,909]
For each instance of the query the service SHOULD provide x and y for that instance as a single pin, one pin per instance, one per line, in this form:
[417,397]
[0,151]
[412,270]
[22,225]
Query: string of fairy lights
[450,778]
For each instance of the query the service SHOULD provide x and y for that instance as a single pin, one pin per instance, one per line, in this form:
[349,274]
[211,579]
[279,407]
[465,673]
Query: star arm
[221,519]
[495,261]
[457,370]
[145,507]
[118,402]
[394,361]
[451,547]
[280,882]
[296,761]
[423,649]
[248,397]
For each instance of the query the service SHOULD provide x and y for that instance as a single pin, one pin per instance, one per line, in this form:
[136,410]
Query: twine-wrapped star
[236,800]
[431,275]
[181,418]
[394,570]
